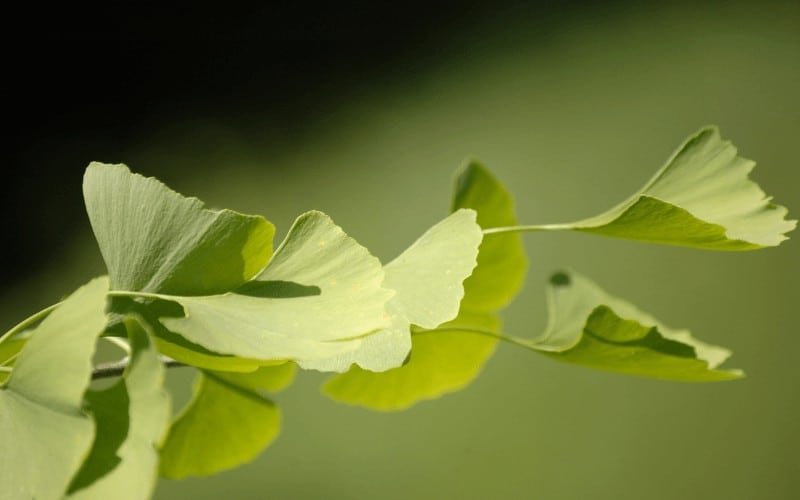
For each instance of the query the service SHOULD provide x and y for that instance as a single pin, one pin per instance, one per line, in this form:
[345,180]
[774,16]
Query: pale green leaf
[227,423]
[178,348]
[379,351]
[46,435]
[148,409]
[446,360]
[701,198]
[589,327]
[441,361]
[428,282]
[319,293]
[428,277]
[502,263]
[156,240]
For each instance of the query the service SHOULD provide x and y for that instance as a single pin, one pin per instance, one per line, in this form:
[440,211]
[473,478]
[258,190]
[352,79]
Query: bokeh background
[365,113]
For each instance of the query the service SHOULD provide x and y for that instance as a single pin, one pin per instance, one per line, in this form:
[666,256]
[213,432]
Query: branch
[117,368]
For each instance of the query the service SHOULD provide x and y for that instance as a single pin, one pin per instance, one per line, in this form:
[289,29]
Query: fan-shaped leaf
[428,281]
[701,198]
[320,291]
[156,240]
[46,434]
[227,423]
[446,360]
[502,263]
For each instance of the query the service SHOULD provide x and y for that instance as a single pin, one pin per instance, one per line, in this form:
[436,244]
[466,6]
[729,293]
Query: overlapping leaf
[227,423]
[45,432]
[177,347]
[156,240]
[442,360]
[320,291]
[428,282]
[137,409]
[447,360]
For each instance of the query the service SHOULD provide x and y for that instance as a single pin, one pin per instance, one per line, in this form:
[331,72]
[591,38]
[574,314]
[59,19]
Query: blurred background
[365,113]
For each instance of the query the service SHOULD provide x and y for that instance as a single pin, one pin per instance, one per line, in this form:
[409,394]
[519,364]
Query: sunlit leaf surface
[441,361]
[319,293]
[428,282]
[448,360]
[703,198]
[156,240]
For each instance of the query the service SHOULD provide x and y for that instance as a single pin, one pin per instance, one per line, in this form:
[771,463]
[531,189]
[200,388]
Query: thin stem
[127,293]
[121,343]
[527,228]
[30,320]
[117,368]
[6,369]
[10,360]
[520,342]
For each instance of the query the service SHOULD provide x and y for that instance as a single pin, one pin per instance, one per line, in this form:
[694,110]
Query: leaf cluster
[203,288]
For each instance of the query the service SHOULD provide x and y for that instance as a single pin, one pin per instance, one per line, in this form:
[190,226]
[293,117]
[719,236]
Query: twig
[117,368]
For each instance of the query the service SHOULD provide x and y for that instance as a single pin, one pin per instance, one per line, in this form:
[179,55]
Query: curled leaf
[590,327]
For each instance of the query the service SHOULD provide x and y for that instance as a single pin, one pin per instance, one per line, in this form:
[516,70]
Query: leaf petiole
[27,322]
[527,228]
[144,295]
[517,341]
[9,360]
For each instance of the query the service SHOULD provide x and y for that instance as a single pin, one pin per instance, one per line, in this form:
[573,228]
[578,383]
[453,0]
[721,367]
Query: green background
[573,119]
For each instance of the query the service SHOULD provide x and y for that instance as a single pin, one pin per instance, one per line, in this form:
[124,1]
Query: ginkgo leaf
[46,434]
[590,327]
[178,348]
[701,198]
[428,277]
[140,402]
[444,361]
[227,423]
[441,361]
[502,264]
[428,282]
[156,240]
[319,293]
[380,351]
